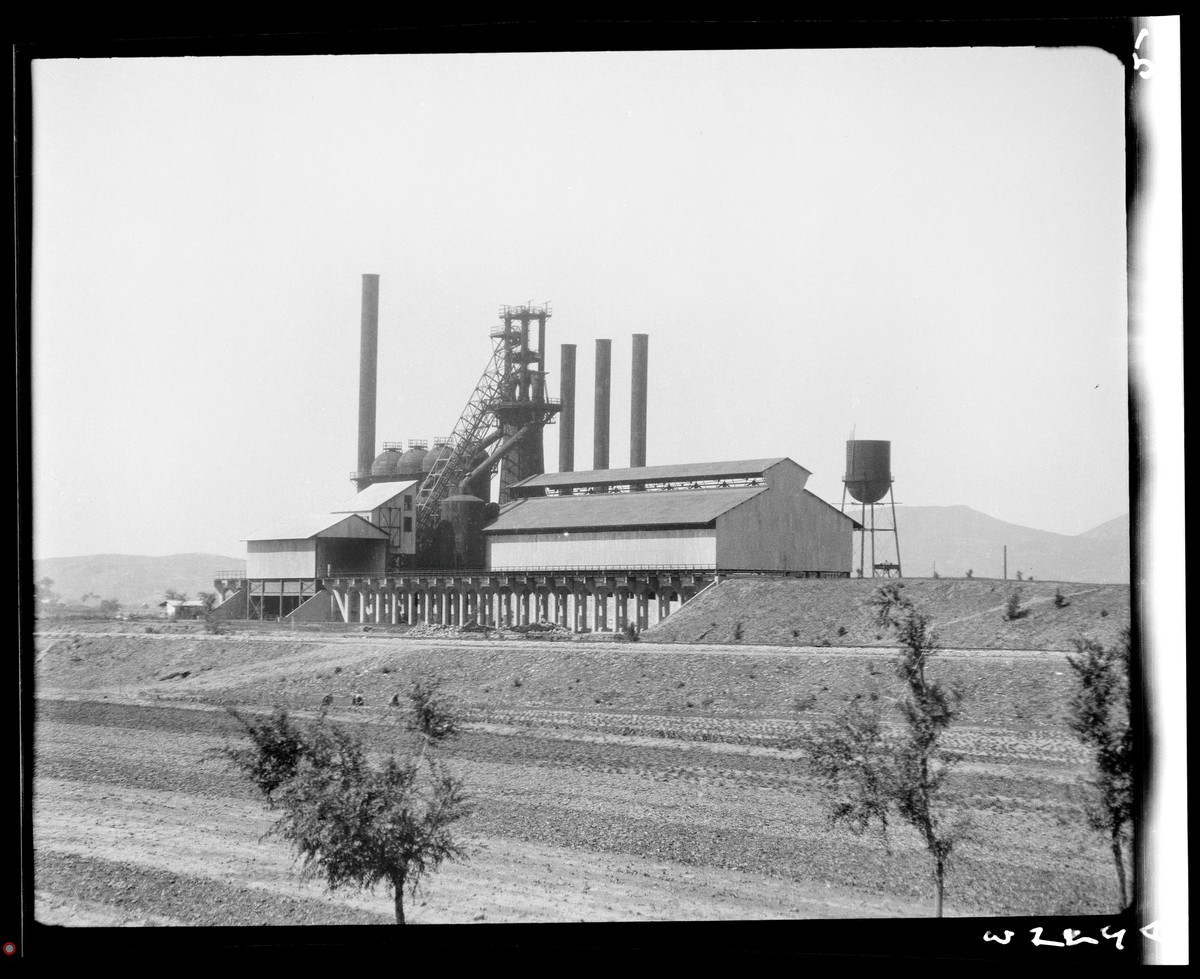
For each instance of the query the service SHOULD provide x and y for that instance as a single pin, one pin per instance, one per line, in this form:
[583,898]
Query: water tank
[412,462]
[437,452]
[387,463]
[868,470]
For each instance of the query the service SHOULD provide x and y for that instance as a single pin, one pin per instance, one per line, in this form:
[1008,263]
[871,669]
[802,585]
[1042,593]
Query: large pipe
[367,369]
[566,417]
[603,385]
[637,405]
[464,484]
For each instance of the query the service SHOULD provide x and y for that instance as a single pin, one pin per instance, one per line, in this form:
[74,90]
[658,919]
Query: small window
[407,502]
[408,525]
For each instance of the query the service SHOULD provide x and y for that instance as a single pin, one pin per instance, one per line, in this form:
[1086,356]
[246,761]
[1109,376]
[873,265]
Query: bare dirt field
[610,782]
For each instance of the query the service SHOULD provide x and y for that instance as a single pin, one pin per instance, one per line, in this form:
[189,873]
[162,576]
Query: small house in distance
[176,609]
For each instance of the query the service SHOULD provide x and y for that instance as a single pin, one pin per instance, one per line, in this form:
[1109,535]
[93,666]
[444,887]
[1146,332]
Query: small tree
[1012,607]
[1060,600]
[355,822]
[1100,713]
[44,591]
[970,572]
[110,606]
[209,600]
[171,595]
[871,771]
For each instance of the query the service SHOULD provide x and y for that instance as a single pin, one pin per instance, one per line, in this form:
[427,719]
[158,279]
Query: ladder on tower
[454,465]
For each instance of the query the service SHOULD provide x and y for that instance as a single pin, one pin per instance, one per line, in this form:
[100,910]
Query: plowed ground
[622,782]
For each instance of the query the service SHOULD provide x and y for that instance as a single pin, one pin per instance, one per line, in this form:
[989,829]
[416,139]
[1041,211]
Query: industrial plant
[423,541]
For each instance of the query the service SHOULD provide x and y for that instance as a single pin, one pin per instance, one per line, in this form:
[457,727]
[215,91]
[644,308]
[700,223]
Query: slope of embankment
[968,613]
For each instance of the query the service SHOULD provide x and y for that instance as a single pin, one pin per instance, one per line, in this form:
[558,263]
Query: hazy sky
[919,245]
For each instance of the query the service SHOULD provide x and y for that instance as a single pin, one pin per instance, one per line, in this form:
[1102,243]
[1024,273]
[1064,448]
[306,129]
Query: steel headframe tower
[522,405]
[868,480]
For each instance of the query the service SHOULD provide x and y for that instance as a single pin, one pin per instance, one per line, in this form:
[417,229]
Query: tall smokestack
[637,403]
[566,418]
[367,369]
[603,384]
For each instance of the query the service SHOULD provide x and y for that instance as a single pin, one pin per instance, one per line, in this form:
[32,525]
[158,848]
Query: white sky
[924,246]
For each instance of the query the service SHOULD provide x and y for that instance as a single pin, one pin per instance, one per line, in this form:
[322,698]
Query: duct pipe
[637,405]
[367,369]
[491,460]
[566,418]
[603,384]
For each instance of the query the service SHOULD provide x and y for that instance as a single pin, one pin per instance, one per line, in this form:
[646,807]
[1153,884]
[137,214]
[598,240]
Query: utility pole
[1006,562]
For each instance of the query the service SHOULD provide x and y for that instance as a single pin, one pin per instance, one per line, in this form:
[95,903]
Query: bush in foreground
[354,822]
[1100,713]
[871,772]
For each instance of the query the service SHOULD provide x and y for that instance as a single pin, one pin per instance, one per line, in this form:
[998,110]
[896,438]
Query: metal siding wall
[784,529]
[280,558]
[661,548]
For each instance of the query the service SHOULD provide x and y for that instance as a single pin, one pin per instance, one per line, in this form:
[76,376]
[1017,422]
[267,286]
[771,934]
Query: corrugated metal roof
[375,495]
[742,469]
[318,525]
[609,511]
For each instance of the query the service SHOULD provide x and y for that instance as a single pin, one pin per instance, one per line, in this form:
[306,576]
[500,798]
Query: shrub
[871,771]
[1012,607]
[1100,716]
[356,822]
[1060,600]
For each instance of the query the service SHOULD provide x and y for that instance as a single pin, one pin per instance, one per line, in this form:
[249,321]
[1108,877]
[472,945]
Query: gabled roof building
[749,515]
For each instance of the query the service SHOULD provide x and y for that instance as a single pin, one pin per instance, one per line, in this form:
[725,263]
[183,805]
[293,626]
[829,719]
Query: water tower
[868,480]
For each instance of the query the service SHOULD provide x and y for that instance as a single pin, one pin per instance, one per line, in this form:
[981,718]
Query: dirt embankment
[967,613]
[611,782]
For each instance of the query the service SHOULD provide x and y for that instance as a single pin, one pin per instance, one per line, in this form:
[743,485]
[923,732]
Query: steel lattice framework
[467,434]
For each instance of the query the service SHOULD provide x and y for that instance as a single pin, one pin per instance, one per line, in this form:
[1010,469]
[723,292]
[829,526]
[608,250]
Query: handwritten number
[1118,936]
[1139,62]
[989,937]
[1037,938]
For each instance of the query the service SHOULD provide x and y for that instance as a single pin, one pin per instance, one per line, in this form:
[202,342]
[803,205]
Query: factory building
[422,541]
[752,515]
[286,562]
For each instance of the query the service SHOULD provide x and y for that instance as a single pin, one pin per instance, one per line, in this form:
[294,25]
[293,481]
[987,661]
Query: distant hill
[955,538]
[131,579]
[1116,529]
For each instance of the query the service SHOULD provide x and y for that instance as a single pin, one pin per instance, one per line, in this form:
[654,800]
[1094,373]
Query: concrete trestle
[579,601]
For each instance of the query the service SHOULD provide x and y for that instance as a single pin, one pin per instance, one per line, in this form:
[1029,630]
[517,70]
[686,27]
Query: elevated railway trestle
[579,599]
